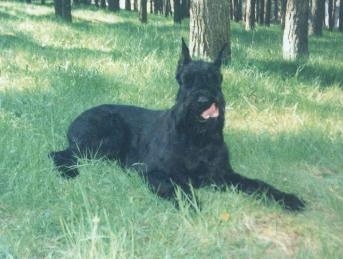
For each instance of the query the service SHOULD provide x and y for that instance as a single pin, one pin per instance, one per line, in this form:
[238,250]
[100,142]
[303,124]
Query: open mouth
[211,112]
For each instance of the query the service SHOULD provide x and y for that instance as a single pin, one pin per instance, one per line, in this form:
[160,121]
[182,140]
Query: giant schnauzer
[182,146]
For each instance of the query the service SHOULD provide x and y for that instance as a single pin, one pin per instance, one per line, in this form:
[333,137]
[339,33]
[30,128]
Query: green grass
[284,125]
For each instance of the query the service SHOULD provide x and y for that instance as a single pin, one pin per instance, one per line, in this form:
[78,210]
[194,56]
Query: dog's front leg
[167,188]
[288,201]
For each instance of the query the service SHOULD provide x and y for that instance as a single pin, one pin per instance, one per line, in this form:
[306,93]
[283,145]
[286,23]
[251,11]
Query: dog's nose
[203,99]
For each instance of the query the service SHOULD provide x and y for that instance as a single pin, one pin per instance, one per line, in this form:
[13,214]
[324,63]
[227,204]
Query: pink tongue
[211,112]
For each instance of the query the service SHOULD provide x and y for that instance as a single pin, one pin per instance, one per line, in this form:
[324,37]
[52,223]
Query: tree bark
[283,13]
[66,10]
[185,5]
[268,12]
[331,14]
[103,3]
[167,8]
[317,17]
[58,7]
[261,14]
[158,6]
[113,5]
[143,11]
[340,25]
[177,11]
[276,11]
[63,9]
[209,28]
[128,5]
[257,11]
[295,36]
[249,15]
[237,10]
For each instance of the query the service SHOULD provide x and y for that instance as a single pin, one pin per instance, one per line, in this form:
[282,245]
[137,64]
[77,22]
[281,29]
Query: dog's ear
[185,57]
[221,58]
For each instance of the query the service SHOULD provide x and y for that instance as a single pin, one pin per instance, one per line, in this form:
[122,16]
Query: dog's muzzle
[211,111]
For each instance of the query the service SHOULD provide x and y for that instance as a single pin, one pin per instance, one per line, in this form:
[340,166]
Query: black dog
[180,146]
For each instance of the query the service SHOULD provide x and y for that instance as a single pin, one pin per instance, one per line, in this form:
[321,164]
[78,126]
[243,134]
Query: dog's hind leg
[65,161]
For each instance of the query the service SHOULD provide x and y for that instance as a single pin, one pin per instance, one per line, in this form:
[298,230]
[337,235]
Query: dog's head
[200,101]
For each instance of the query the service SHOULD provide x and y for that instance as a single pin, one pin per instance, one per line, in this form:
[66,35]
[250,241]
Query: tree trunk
[135,5]
[231,9]
[143,11]
[295,36]
[177,11]
[103,3]
[330,14]
[317,17]
[58,7]
[249,15]
[158,6]
[276,11]
[166,8]
[128,5]
[237,10]
[261,14]
[185,5]
[209,28]
[63,9]
[268,12]
[66,10]
[283,13]
[257,10]
[113,5]
[340,25]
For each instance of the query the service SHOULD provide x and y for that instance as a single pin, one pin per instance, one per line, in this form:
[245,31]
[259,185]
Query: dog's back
[105,131]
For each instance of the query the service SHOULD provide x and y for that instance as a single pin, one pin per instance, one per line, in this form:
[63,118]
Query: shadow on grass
[324,76]
[266,41]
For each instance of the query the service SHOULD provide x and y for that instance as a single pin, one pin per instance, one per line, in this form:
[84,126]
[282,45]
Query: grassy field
[284,125]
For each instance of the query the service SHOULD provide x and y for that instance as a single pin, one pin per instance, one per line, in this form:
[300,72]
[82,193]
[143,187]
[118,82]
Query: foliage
[284,125]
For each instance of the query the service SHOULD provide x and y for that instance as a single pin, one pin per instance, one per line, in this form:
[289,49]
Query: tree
[143,11]
[237,10]
[276,10]
[331,14]
[283,13]
[295,38]
[249,15]
[63,9]
[340,25]
[261,13]
[158,6]
[177,11]
[268,12]
[185,5]
[209,28]
[317,17]
[113,5]
[128,5]
[103,3]
[167,8]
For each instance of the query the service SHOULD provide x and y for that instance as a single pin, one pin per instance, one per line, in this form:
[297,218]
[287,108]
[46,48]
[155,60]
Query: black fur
[180,146]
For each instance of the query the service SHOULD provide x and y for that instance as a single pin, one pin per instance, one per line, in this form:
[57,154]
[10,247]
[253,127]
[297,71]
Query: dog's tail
[66,162]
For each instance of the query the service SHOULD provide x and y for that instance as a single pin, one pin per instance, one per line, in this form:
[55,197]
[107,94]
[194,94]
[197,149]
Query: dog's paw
[293,203]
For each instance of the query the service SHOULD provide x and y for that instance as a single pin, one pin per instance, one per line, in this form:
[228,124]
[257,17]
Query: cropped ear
[185,58]
[221,56]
